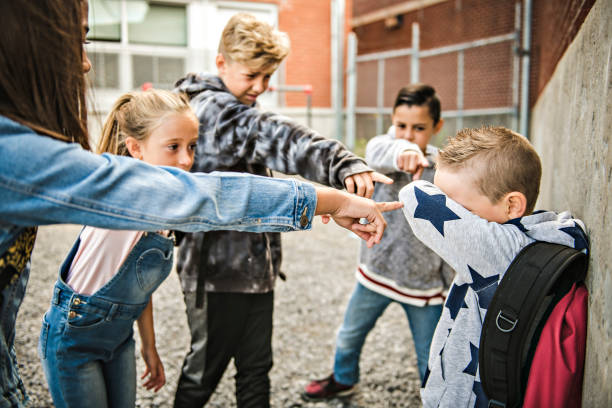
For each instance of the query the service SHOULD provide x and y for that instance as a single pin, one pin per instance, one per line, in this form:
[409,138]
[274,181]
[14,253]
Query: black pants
[230,325]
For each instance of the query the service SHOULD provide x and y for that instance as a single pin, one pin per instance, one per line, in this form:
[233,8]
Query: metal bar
[338,65]
[516,65]
[351,91]
[384,55]
[467,45]
[402,8]
[309,110]
[460,75]
[524,129]
[445,114]
[414,59]
[436,51]
[380,95]
[290,88]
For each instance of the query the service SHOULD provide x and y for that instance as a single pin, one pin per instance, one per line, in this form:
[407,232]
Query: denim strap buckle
[111,312]
[56,295]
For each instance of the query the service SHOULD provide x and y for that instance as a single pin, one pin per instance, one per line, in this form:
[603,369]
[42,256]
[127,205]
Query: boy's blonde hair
[253,43]
[503,161]
[137,114]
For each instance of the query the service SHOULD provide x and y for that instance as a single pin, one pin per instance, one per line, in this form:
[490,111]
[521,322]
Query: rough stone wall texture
[571,128]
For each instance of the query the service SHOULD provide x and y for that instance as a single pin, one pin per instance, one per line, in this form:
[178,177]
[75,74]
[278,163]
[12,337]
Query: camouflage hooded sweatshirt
[237,137]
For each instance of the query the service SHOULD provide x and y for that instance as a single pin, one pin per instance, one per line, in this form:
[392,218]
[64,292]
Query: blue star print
[455,299]
[481,399]
[473,365]
[580,241]
[479,282]
[433,208]
[517,223]
[484,287]
[425,377]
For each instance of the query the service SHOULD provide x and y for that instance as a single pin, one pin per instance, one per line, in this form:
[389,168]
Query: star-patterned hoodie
[480,252]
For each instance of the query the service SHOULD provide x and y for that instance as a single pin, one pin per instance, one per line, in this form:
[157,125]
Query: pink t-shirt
[99,257]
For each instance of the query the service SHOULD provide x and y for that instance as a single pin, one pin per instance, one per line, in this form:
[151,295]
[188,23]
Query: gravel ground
[319,265]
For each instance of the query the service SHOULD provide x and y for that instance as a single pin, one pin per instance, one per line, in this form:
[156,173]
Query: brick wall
[361,7]
[555,24]
[308,24]
[442,24]
[488,69]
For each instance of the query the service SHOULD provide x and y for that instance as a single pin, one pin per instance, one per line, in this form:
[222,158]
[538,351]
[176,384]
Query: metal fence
[477,81]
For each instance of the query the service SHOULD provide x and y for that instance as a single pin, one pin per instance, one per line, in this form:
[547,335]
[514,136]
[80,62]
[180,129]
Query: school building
[136,42]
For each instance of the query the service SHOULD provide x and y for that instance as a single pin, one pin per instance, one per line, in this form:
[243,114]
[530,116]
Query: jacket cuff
[305,206]
[402,146]
[356,168]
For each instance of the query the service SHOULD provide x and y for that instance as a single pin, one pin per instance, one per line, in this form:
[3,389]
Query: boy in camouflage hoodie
[228,277]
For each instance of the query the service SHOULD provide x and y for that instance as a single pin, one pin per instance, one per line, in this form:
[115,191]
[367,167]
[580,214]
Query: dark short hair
[503,161]
[420,95]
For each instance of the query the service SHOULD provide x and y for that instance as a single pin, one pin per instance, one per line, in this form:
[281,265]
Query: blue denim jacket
[46,181]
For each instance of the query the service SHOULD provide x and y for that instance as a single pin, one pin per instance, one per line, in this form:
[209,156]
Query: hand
[362,184]
[154,369]
[346,210]
[413,162]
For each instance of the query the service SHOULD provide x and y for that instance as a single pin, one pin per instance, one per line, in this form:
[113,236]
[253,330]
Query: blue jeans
[363,310]
[86,345]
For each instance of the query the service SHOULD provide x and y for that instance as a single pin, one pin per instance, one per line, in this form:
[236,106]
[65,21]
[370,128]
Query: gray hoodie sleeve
[382,152]
[468,243]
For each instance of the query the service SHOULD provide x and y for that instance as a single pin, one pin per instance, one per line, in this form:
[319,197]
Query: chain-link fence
[477,82]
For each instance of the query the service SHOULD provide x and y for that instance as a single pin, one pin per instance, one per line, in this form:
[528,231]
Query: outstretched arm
[387,154]
[231,132]
[469,244]
[154,367]
[347,210]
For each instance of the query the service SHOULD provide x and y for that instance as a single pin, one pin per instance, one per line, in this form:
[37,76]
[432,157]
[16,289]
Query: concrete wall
[571,128]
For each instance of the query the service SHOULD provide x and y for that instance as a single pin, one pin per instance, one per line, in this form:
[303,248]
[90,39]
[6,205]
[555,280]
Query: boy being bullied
[478,215]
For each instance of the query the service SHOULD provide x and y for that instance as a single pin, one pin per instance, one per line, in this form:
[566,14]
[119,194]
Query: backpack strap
[540,275]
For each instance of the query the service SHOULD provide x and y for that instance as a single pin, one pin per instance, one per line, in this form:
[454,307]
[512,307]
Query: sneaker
[327,388]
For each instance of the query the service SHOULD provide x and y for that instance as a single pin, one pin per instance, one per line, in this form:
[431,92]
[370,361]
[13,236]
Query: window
[159,25]
[105,69]
[137,41]
[105,20]
[162,72]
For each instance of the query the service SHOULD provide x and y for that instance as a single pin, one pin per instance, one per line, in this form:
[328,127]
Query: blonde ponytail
[137,114]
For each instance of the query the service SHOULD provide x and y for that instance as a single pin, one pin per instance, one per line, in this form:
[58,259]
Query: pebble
[309,307]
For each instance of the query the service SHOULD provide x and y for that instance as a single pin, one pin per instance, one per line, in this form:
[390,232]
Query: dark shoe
[327,388]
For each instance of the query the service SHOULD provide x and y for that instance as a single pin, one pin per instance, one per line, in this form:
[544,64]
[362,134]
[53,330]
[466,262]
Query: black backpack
[539,276]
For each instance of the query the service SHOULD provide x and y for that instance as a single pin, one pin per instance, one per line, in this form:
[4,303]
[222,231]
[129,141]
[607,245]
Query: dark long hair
[42,84]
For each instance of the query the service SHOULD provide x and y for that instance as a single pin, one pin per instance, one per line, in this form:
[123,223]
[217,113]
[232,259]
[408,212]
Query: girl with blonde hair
[106,282]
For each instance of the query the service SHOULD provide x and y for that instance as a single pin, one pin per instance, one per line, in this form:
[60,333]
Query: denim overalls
[86,344]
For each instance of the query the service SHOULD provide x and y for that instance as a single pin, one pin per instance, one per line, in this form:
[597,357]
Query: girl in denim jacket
[106,282]
[49,176]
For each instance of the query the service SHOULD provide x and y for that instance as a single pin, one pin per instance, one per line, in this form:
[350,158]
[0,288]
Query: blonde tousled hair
[253,43]
[502,160]
[137,114]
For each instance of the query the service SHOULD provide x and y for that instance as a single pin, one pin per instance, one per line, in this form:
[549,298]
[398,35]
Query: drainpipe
[337,62]
[351,91]
[525,69]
